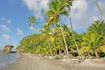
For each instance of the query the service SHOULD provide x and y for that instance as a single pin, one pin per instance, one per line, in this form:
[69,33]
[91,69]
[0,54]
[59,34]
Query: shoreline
[34,62]
[8,59]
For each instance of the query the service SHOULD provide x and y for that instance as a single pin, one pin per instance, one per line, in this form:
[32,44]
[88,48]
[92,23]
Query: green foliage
[94,38]
[55,37]
[32,21]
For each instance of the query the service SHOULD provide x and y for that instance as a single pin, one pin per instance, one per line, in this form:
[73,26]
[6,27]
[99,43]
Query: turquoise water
[6,59]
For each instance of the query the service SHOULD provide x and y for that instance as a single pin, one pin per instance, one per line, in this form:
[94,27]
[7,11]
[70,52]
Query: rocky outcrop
[7,49]
[0,51]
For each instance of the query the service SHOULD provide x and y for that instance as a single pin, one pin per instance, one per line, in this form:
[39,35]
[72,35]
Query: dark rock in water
[13,52]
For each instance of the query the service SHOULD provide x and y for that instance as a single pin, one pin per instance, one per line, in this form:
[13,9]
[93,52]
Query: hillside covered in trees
[50,41]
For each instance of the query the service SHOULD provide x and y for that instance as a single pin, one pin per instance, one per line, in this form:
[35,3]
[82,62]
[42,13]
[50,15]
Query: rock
[40,55]
[104,58]
[82,58]
[7,49]
[89,61]
[92,57]
[52,57]
[59,57]
[62,55]
[100,60]
[0,51]
[66,56]
[71,61]
[45,56]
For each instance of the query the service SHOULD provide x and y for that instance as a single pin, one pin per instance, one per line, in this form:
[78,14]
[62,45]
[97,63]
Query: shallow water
[6,59]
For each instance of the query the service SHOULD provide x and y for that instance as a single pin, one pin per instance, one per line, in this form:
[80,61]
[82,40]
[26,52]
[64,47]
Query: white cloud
[36,6]
[5,19]
[101,4]
[79,15]
[19,31]
[79,9]
[6,36]
[2,18]
[94,18]
[4,28]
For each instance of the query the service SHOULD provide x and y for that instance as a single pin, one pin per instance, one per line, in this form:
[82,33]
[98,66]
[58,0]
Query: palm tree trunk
[99,10]
[97,56]
[55,46]
[73,33]
[64,38]
[60,44]
[49,46]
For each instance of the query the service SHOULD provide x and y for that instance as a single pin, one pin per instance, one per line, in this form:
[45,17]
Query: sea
[7,59]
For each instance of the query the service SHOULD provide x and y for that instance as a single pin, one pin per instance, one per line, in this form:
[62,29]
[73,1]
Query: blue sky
[14,15]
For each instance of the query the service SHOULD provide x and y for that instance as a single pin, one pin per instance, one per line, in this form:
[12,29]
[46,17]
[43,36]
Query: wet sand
[34,62]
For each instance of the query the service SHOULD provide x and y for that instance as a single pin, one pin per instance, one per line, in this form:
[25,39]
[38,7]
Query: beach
[35,62]
[7,59]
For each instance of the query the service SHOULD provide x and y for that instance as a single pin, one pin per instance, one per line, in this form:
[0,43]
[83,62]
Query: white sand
[33,62]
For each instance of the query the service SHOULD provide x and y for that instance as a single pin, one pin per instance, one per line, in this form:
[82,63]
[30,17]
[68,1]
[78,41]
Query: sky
[14,16]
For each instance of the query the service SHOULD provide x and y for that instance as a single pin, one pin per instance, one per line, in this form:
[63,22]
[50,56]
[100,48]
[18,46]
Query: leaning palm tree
[57,9]
[99,10]
[68,6]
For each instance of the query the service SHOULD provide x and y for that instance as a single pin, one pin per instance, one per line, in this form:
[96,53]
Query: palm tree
[93,40]
[46,34]
[57,9]
[69,4]
[98,28]
[32,21]
[99,10]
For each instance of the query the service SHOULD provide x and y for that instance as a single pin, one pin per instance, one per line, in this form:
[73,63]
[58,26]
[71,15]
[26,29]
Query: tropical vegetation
[56,38]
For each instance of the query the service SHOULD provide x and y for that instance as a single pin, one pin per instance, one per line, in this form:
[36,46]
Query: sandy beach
[33,62]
